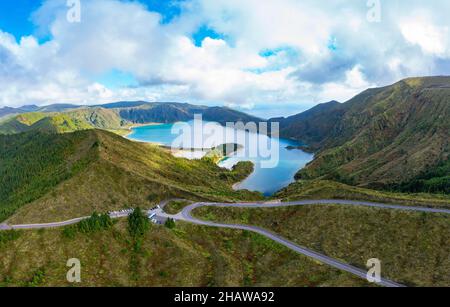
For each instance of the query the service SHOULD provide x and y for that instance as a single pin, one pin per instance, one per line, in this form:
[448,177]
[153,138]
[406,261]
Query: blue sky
[259,56]
[15,16]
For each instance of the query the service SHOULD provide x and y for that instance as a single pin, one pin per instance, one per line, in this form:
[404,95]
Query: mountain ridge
[379,138]
[74,174]
[115,116]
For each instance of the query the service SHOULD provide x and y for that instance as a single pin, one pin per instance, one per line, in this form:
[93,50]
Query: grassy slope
[310,126]
[64,122]
[414,247]
[322,189]
[122,174]
[114,117]
[173,112]
[186,256]
[176,206]
[434,179]
[20,123]
[387,135]
[32,164]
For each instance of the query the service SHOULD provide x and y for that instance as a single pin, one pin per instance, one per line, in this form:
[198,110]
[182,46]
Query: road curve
[186,216]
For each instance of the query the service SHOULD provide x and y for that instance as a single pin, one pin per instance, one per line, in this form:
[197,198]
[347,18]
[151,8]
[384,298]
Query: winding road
[186,216]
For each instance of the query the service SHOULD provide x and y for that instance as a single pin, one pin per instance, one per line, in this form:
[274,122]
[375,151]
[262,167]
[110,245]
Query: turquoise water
[265,180]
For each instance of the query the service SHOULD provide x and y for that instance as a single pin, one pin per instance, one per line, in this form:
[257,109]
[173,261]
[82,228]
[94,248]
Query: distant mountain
[7,111]
[156,113]
[310,126]
[62,122]
[79,119]
[11,111]
[122,104]
[223,115]
[170,112]
[57,107]
[381,138]
[29,108]
[20,123]
[66,117]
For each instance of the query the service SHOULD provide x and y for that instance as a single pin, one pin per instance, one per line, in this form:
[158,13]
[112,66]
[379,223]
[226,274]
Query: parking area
[152,215]
[120,213]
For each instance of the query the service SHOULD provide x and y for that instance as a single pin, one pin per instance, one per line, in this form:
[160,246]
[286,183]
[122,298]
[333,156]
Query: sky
[266,57]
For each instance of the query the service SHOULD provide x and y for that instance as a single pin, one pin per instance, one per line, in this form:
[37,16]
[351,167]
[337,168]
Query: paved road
[49,225]
[4,227]
[186,216]
[56,224]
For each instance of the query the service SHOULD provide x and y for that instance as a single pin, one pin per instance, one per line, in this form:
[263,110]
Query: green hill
[20,123]
[324,189]
[412,247]
[382,138]
[8,111]
[185,256]
[310,126]
[62,118]
[48,177]
[69,121]
[172,112]
[81,119]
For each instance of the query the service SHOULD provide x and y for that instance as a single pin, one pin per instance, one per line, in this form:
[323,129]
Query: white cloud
[167,65]
[432,39]
[353,84]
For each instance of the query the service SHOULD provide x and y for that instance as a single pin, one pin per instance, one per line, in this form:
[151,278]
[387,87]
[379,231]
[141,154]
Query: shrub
[7,236]
[138,223]
[97,222]
[170,223]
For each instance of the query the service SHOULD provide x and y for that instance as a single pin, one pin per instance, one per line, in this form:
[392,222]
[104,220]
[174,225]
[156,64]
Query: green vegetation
[413,247]
[75,174]
[322,189]
[20,123]
[138,223]
[221,152]
[381,138]
[54,159]
[239,172]
[314,125]
[174,207]
[7,236]
[115,117]
[37,279]
[185,256]
[97,222]
[64,122]
[174,112]
[392,138]
[170,223]
[433,180]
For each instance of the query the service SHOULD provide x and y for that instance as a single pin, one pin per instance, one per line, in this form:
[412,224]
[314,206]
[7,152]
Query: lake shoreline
[130,129]
[266,180]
